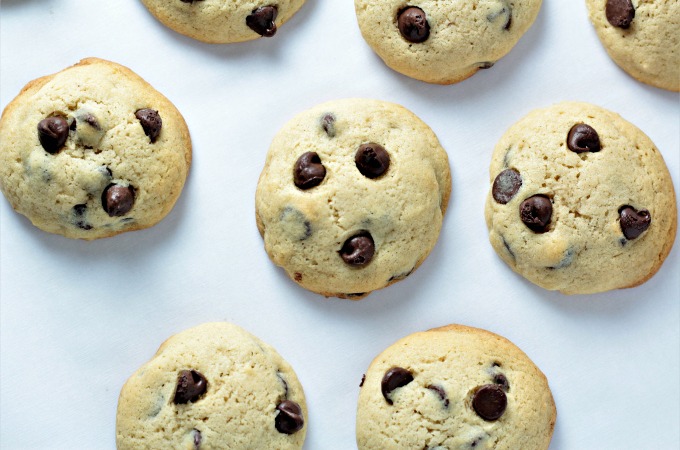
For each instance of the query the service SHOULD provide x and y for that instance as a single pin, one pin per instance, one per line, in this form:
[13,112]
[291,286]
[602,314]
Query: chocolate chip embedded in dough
[198,438]
[328,124]
[151,122]
[633,223]
[583,138]
[394,378]
[52,133]
[502,381]
[413,25]
[263,20]
[506,185]
[117,200]
[536,212]
[358,250]
[441,393]
[308,171]
[620,13]
[372,160]
[191,385]
[289,419]
[489,402]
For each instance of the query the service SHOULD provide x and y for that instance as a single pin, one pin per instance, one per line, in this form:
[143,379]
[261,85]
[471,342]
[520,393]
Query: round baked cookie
[454,388]
[642,37]
[443,42]
[214,386]
[581,200]
[223,21]
[352,196]
[92,151]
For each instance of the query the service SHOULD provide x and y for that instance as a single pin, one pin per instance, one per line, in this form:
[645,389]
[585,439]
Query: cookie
[454,388]
[223,21]
[92,151]
[352,196]
[443,42]
[642,37]
[214,386]
[581,200]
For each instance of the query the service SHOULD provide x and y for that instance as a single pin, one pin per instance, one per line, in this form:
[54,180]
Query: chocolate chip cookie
[581,200]
[352,196]
[223,21]
[454,387]
[443,42]
[642,37]
[92,151]
[214,386]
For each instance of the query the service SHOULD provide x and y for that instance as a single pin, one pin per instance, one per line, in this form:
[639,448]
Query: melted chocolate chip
[308,171]
[620,13]
[583,138]
[52,133]
[191,385]
[358,250]
[441,393]
[263,20]
[502,381]
[506,185]
[117,200]
[394,378]
[412,23]
[328,124]
[151,122]
[633,223]
[536,212]
[372,160]
[289,419]
[489,402]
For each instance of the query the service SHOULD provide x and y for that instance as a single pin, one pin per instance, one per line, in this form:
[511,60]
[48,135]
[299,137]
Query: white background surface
[77,318]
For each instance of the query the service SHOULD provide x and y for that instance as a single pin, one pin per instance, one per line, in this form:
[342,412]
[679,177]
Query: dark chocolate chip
[328,124]
[441,393]
[485,65]
[355,295]
[363,378]
[536,212]
[583,138]
[117,200]
[508,24]
[198,438]
[372,160]
[289,419]
[620,13]
[412,22]
[566,261]
[308,171]
[151,122]
[489,402]
[633,223]
[191,385]
[506,185]
[52,133]
[502,381]
[394,378]
[358,250]
[263,20]
[190,1]
[83,225]
[507,9]
[79,210]
[298,277]
[285,385]
[507,247]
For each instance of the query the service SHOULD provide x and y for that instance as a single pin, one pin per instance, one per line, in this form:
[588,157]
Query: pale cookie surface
[443,41]
[223,21]
[352,196]
[214,386]
[92,151]
[454,388]
[581,200]
[642,37]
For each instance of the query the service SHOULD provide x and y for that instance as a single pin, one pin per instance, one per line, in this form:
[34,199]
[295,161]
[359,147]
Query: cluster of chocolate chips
[536,211]
[620,13]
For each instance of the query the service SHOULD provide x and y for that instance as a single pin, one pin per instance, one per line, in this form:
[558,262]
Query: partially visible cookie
[581,200]
[223,21]
[642,37]
[214,386]
[352,196]
[92,151]
[454,388]
[443,42]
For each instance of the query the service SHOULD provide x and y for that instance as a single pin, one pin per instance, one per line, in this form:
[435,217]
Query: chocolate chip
[506,185]
[441,393]
[262,20]
[372,160]
[633,223]
[308,171]
[198,438]
[583,138]
[79,210]
[502,381]
[489,402]
[117,200]
[151,122]
[52,133]
[363,378]
[536,212]
[328,124]
[620,13]
[485,65]
[413,25]
[358,250]
[191,385]
[566,261]
[283,382]
[190,1]
[506,9]
[394,378]
[83,225]
[289,419]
